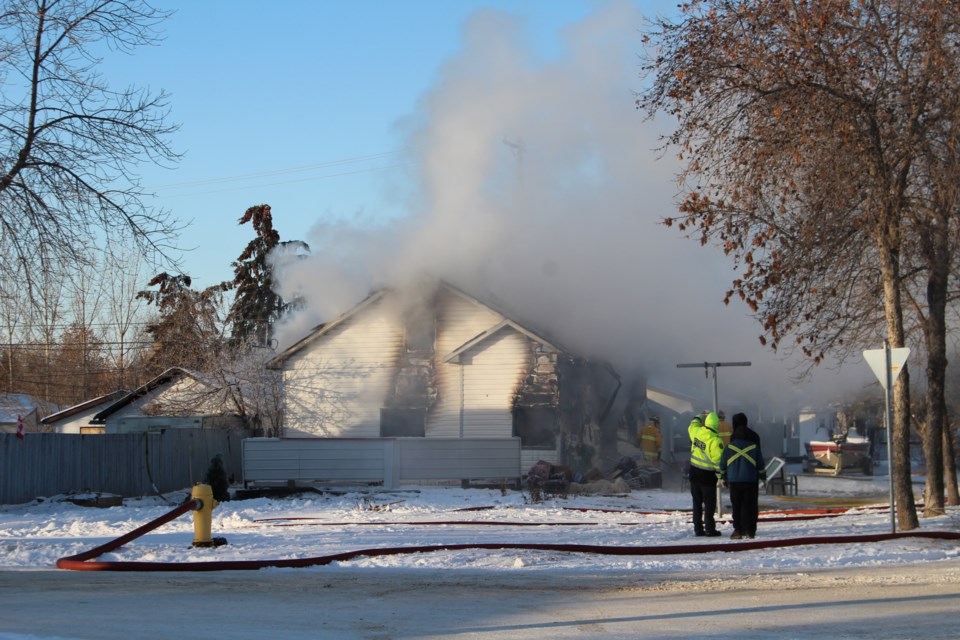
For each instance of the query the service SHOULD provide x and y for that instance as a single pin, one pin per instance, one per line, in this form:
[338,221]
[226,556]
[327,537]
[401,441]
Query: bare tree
[69,143]
[85,293]
[13,317]
[123,310]
[47,320]
[802,124]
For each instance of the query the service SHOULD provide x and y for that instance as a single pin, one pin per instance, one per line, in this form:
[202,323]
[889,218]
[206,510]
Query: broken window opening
[536,427]
[402,423]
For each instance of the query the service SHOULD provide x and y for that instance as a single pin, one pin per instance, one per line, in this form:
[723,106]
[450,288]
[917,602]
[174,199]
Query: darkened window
[402,423]
[420,329]
[536,427]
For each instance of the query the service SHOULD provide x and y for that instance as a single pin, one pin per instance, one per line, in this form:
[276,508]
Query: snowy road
[905,601]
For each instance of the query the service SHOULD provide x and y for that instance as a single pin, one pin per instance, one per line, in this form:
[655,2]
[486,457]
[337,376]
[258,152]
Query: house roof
[469,344]
[14,405]
[83,406]
[320,330]
[171,374]
[676,402]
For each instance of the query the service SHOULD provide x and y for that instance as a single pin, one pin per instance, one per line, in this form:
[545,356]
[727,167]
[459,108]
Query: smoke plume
[538,187]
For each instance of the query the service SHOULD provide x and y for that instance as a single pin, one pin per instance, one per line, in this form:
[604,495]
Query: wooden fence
[130,465]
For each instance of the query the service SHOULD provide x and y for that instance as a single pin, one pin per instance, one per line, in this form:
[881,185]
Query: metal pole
[888,416]
[715,405]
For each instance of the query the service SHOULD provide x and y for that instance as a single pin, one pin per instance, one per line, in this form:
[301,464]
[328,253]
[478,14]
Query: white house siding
[491,379]
[74,423]
[183,394]
[458,321]
[336,386]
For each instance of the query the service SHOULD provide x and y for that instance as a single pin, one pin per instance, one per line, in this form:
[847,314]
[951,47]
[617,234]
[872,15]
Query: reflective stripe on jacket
[650,442]
[742,461]
[725,431]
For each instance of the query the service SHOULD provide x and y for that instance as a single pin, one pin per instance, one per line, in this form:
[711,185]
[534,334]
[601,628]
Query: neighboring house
[675,411]
[78,418]
[176,392]
[14,407]
[440,364]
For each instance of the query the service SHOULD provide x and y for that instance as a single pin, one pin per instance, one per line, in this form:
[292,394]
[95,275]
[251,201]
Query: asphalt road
[907,601]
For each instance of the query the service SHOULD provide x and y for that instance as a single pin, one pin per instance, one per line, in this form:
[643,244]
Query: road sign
[877,361]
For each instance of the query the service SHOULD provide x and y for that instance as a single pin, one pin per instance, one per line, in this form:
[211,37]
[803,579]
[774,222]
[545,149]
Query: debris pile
[629,473]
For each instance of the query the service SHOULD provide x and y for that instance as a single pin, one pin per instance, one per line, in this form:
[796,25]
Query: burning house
[442,372]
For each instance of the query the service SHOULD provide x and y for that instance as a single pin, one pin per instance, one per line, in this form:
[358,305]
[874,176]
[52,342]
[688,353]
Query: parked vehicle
[839,454]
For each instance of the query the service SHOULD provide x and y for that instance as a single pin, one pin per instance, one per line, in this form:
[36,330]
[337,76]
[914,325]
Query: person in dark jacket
[742,467]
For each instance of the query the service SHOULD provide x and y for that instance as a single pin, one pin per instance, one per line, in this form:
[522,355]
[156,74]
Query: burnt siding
[541,385]
[336,386]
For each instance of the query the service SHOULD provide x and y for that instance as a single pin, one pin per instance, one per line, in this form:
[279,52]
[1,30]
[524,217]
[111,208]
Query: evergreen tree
[217,479]
[256,305]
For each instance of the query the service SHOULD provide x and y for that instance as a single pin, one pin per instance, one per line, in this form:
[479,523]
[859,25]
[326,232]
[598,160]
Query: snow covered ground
[903,588]
[35,535]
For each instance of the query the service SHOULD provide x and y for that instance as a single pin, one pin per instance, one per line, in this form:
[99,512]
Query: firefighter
[706,448]
[650,441]
[725,429]
[742,468]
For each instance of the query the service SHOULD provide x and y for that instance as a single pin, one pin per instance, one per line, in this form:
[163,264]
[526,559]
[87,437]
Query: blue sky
[297,104]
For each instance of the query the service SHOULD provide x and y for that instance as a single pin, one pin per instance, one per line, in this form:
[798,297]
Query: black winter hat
[739,420]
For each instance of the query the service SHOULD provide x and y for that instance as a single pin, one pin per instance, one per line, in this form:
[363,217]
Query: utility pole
[707,368]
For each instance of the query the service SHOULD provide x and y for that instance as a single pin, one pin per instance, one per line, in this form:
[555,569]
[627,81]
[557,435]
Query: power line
[273,184]
[280,172]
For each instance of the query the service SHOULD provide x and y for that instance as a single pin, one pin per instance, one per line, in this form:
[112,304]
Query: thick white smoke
[538,186]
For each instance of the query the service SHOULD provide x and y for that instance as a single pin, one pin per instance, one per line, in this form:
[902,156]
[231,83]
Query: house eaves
[173,373]
[454,355]
[322,329]
[676,402]
[83,406]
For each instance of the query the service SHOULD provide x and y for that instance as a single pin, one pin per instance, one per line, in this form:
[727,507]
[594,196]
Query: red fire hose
[83,561]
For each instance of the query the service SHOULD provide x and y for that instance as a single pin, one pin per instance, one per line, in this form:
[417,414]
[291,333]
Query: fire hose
[85,561]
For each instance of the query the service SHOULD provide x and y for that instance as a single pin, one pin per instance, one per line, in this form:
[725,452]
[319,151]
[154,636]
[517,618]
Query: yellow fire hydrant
[203,517]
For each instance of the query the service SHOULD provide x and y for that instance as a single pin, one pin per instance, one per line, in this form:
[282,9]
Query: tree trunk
[935,335]
[950,464]
[902,480]
[888,243]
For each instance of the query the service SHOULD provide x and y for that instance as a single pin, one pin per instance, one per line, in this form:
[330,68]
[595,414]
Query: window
[536,427]
[420,329]
[402,423]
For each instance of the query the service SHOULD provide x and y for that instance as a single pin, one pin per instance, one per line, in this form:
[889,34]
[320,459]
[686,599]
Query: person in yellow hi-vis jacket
[650,441]
[706,447]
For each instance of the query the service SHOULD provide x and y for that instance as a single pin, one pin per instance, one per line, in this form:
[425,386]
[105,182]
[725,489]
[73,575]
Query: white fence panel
[272,461]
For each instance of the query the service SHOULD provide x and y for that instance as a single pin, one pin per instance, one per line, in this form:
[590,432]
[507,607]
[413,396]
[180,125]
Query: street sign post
[886,364]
